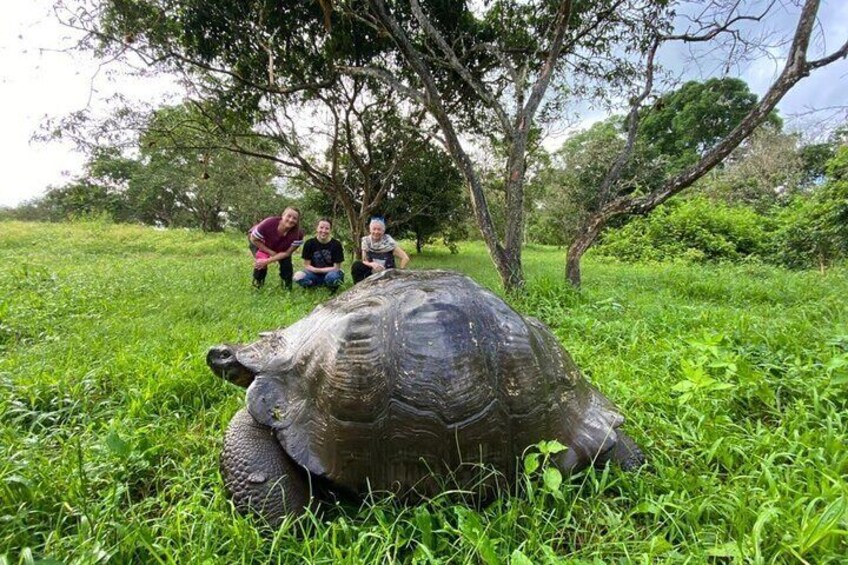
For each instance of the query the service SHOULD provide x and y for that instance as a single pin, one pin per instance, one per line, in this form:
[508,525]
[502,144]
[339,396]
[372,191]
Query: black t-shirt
[322,255]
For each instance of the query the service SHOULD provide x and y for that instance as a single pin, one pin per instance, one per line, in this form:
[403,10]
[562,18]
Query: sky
[38,80]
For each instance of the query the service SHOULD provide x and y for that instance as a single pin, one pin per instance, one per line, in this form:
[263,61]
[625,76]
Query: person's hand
[377,268]
[261,263]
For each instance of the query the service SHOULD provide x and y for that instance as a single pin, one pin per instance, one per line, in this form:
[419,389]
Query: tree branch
[387,77]
[614,174]
[455,64]
[544,78]
[796,69]
[716,28]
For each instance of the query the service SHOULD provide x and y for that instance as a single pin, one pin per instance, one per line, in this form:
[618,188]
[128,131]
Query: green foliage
[685,123]
[567,190]
[814,158]
[427,199]
[765,171]
[186,178]
[694,229]
[111,423]
[814,229]
[98,192]
[182,177]
[673,134]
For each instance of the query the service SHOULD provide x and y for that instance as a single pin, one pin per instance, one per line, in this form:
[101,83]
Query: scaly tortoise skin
[407,378]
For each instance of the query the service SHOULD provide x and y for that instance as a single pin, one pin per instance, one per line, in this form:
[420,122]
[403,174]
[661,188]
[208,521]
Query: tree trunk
[572,262]
[579,245]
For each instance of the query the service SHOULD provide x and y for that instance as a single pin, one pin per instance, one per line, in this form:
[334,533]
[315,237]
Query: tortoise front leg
[259,475]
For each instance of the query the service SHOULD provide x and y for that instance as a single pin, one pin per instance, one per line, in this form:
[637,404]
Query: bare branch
[388,78]
[715,28]
[614,174]
[485,95]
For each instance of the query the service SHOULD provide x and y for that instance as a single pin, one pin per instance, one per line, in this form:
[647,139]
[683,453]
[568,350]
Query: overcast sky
[38,80]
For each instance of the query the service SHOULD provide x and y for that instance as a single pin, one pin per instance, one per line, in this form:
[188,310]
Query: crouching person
[322,259]
[379,251]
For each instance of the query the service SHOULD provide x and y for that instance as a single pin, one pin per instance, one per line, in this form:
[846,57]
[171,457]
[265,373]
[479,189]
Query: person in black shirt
[322,259]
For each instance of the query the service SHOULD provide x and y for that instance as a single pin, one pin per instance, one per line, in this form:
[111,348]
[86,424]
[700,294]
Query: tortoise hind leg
[259,475]
[625,453]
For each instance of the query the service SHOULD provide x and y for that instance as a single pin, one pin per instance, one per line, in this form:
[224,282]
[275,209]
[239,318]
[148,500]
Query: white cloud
[40,80]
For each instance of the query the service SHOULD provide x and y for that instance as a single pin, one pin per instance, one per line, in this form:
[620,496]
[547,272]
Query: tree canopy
[467,72]
[685,123]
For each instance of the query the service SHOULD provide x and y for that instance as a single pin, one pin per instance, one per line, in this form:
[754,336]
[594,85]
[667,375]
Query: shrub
[694,229]
[814,229]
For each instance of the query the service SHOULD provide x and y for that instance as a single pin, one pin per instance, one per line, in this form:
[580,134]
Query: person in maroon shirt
[274,240]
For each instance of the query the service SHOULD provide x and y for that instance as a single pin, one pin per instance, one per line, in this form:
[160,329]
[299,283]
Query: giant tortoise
[407,378]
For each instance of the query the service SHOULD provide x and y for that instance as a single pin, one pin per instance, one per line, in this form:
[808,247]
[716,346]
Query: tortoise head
[240,364]
[224,362]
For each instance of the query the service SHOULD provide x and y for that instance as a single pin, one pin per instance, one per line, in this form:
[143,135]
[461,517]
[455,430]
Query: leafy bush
[814,229]
[694,230]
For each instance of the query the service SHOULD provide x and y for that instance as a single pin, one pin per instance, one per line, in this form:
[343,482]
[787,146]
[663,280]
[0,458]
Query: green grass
[733,378]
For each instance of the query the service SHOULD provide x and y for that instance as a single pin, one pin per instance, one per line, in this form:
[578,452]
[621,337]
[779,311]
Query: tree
[507,55]
[814,158]
[272,65]
[815,227]
[186,179]
[797,66]
[568,45]
[100,190]
[683,124]
[764,171]
[570,184]
[427,198]
[180,177]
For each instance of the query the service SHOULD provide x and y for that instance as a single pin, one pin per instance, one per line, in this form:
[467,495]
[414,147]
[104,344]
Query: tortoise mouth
[223,360]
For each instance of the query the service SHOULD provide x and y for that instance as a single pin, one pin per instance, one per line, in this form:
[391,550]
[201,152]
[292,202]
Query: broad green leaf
[683,386]
[518,558]
[117,445]
[729,549]
[486,547]
[553,479]
[423,521]
[552,447]
[660,545]
[531,463]
[837,362]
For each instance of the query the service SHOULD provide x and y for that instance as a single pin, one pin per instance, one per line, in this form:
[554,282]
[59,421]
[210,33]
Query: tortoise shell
[412,375]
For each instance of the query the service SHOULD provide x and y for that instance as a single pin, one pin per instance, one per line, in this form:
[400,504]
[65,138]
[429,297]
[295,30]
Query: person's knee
[302,279]
[359,271]
[334,278]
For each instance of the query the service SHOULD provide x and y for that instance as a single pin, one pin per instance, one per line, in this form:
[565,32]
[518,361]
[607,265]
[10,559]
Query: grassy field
[733,378]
